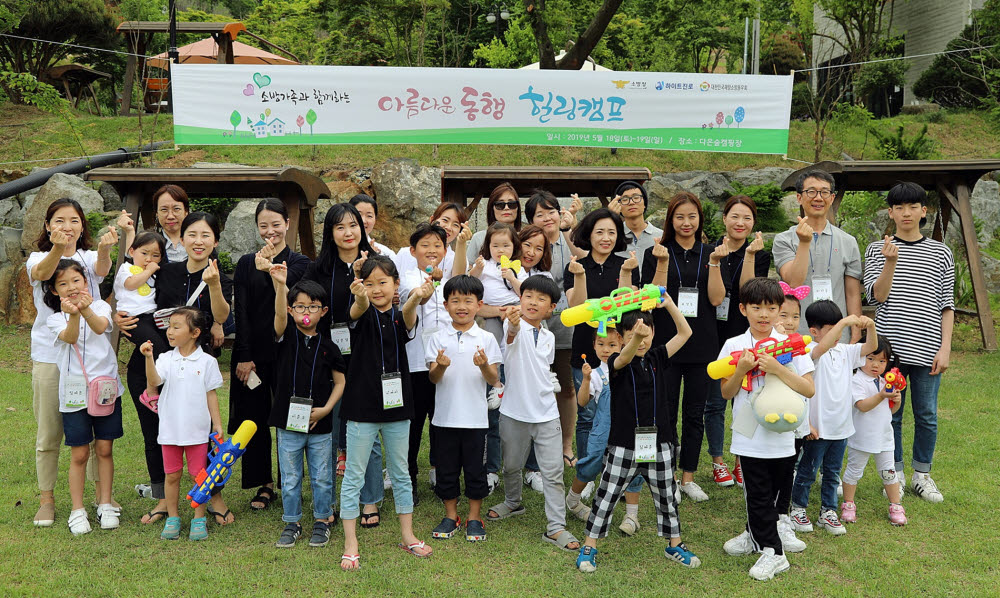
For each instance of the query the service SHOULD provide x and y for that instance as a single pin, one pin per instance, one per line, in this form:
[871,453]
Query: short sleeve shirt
[98,356]
[305,369]
[183,406]
[43,347]
[872,428]
[378,347]
[140,301]
[830,408]
[639,398]
[460,396]
[601,280]
[528,392]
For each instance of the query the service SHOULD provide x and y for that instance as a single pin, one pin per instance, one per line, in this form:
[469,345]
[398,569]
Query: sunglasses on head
[506,205]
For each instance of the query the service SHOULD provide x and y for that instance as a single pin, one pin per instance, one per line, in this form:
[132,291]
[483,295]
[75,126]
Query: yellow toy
[506,262]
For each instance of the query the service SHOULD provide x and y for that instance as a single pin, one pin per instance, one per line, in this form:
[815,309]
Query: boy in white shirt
[830,411]
[529,413]
[462,359]
[767,458]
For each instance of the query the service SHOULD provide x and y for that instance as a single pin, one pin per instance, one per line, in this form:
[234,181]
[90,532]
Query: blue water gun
[224,456]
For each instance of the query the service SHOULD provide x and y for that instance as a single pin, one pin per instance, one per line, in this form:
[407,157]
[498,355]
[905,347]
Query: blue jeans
[494,453]
[923,391]
[318,452]
[373,491]
[831,453]
[591,463]
[715,419]
[361,437]
[584,416]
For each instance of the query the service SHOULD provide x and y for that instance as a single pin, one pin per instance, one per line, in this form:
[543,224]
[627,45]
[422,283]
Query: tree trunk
[585,44]
[546,55]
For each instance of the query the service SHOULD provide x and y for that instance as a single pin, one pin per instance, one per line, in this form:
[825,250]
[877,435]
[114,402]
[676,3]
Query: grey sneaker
[320,535]
[289,535]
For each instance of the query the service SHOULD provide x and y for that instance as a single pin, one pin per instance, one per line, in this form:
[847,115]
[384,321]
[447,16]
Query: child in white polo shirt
[188,408]
[462,360]
[528,412]
[830,411]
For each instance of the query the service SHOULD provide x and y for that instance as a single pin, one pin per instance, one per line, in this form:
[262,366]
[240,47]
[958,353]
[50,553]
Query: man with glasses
[818,254]
[630,202]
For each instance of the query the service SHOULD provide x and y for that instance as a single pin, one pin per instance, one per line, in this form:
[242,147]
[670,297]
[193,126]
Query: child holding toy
[188,408]
[135,287]
[874,405]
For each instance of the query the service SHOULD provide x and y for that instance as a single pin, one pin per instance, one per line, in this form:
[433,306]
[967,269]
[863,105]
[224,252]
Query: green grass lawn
[947,549]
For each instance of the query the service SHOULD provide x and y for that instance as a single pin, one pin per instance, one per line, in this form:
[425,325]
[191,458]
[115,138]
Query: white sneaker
[534,480]
[587,491]
[108,516]
[740,545]
[493,481]
[432,477]
[386,482]
[79,524]
[769,565]
[789,542]
[694,492]
[629,526]
[840,489]
[924,487]
[831,522]
[144,490]
[800,521]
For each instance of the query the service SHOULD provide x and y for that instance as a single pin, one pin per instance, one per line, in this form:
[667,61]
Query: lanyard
[739,268]
[395,336]
[83,354]
[680,278]
[635,396]
[92,280]
[829,261]
[295,367]
[562,257]
[333,280]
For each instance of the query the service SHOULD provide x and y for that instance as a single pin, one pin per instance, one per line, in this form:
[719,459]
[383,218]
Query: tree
[575,56]
[855,26]
[235,119]
[311,119]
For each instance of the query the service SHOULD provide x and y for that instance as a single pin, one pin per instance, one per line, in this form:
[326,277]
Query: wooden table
[460,183]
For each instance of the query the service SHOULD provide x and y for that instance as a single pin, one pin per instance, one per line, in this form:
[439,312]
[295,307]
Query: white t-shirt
[137,302]
[431,316]
[528,394]
[765,444]
[43,347]
[98,356]
[184,416]
[460,398]
[830,408]
[873,428]
[495,291]
[596,382]
[405,261]
[382,249]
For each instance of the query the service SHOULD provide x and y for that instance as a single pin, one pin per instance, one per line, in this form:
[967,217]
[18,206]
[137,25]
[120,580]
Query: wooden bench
[461,183]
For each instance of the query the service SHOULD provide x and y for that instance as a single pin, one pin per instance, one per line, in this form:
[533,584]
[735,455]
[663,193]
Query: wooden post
[975,265]
[132,201]
[136,46]
[307,242]
[831,214]
[290,196]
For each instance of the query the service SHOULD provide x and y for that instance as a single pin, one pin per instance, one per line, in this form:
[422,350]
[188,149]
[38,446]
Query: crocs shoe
[475,530]
[447,528]
[288,535]
[680,554]
[171,529]
[849,512]
[587,560]
[79,524]
[199,529]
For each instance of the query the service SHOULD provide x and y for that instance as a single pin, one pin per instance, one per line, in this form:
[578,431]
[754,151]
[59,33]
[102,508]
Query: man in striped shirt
[911,279]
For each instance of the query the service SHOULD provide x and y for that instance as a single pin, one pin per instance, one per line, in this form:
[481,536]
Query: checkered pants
[619,469]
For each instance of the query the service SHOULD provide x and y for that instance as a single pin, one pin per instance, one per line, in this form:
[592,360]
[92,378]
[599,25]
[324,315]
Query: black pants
[766,484]
[254,405]
[696,385]
[423,410]
[460,450]
[785,498]
[135,377]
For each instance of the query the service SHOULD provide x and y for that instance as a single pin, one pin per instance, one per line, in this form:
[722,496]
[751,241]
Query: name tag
[822,288]
[561,305]
[340,334]
[645,444]
[299,409]
[687,301]
[392,391]
[74,392]
[722,310]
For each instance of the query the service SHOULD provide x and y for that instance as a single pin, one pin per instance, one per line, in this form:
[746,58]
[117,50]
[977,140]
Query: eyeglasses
[812,193]
[506,205]
[630,199]
[301,309]
[175,210]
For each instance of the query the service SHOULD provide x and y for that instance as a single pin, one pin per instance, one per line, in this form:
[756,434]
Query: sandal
[225,516]
[350,558]
[366,517]
[153,517]
[264,495]
[412,549]
[570,460]
[503,512]
[342,464]
[563,539]
[151,402]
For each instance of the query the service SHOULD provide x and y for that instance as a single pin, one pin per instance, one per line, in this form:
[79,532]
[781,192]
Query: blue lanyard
[635,396]
[395,335]
[680,278]
[295,367]
[829,261]
[333,279]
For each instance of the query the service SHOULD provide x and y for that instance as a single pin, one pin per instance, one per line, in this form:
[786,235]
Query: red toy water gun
[783,351]
[894,380]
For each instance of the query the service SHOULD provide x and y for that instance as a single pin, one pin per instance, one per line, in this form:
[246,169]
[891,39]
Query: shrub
[899,147]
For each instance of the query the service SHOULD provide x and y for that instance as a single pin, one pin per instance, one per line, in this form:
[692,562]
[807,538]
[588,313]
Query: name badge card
[822,288]
[687,301]
[645,444]
[299,409]
[722,310]
[392,391]
[340,334]
[74,392]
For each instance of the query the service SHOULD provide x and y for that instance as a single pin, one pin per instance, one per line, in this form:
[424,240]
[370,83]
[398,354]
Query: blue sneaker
[199,529]
[682,555]
[587,561]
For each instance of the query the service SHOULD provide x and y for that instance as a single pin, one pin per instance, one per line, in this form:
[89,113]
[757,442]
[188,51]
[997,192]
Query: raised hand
[358,288]
[68,306]
[466,234]
[479,358]
[631,263]
[576,205]
[513,315]
[442,359]
[642,330]
[125,222]
[356,266]
[59,238]
[803,231]
[575,267]
[720,251]
[211,273]
[279,273]
[109,239]
[615,205]
[268,250]
[153,267]
[756,245]
[84,300]
[261,261]
[889,250]
[146,348]
[425,290]
[660,252]
[586,369]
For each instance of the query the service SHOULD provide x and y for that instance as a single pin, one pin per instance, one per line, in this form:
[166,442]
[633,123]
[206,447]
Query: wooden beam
[478,197]
[291,198]
[975,265]
[831,214]
[132,202]
[307,242]
[946,204]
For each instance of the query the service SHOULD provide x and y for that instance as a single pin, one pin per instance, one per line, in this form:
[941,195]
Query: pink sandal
[412,549]
[150,402]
